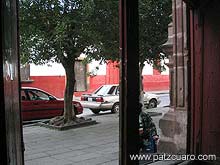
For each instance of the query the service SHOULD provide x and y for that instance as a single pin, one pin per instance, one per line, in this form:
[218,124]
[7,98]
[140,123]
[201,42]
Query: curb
[63,128]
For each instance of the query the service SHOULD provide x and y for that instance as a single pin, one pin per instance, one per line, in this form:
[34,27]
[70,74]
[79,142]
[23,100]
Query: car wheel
[115,108]
[152,103]
[95,111]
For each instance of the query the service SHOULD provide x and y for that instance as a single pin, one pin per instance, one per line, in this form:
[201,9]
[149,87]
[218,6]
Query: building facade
[173,124]
[92,75]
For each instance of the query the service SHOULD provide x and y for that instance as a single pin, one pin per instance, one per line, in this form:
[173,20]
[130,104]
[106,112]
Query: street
[165,100]
[164,97]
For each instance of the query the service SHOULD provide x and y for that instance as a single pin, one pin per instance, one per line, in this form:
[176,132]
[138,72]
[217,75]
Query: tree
[58,31]
[105,28]
[154,17]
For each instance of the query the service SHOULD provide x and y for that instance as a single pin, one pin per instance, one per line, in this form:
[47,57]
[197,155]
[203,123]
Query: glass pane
[54,26]
[38,95]
[103,90]
[164,113]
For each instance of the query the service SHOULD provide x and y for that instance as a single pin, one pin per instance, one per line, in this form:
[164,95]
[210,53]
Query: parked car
[38,104]
[106,97]
[151,100]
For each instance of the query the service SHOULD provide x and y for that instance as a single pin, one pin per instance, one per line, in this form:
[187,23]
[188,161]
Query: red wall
[52,84]
[95,82]
[56,84]
[156,82]
[112,73]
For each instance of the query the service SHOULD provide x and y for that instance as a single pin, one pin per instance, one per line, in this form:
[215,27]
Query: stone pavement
[92,145]
[96,144]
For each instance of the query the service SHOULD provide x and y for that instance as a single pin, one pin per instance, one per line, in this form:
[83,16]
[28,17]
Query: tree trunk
[141,77]
[141,96]
[69,114]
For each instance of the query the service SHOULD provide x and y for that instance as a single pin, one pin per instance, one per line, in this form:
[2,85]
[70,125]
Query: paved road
[165,100]
[97,144]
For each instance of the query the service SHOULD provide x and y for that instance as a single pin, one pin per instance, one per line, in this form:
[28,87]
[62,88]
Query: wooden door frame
[11,139]
[129,81]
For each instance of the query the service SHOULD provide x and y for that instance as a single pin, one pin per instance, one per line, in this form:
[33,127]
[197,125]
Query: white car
[151,100]
[106,97]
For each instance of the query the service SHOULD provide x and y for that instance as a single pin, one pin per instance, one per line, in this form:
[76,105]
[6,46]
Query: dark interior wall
[196,81]
[205,79]
[211,79]
[10,112]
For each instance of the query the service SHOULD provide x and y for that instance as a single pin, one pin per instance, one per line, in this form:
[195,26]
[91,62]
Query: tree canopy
[105,25]
[50,29]
[54,30]
[154,17]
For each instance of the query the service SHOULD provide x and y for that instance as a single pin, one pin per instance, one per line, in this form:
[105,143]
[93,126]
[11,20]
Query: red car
[38,104]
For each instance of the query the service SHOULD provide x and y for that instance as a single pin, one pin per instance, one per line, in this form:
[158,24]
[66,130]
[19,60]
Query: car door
[112,94]
[25,106]
[41,105]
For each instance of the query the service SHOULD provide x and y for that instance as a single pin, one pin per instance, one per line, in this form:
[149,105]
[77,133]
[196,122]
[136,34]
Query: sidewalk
[93,145]
[96,144]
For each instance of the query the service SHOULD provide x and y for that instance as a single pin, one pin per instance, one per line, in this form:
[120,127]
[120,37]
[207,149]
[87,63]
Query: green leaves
[154,17]
[63,29]
[104,26]
[53,29]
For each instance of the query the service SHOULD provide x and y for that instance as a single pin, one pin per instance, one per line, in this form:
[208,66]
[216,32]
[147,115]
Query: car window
[38,95]
[117,90]
[102,90]
[112,90]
